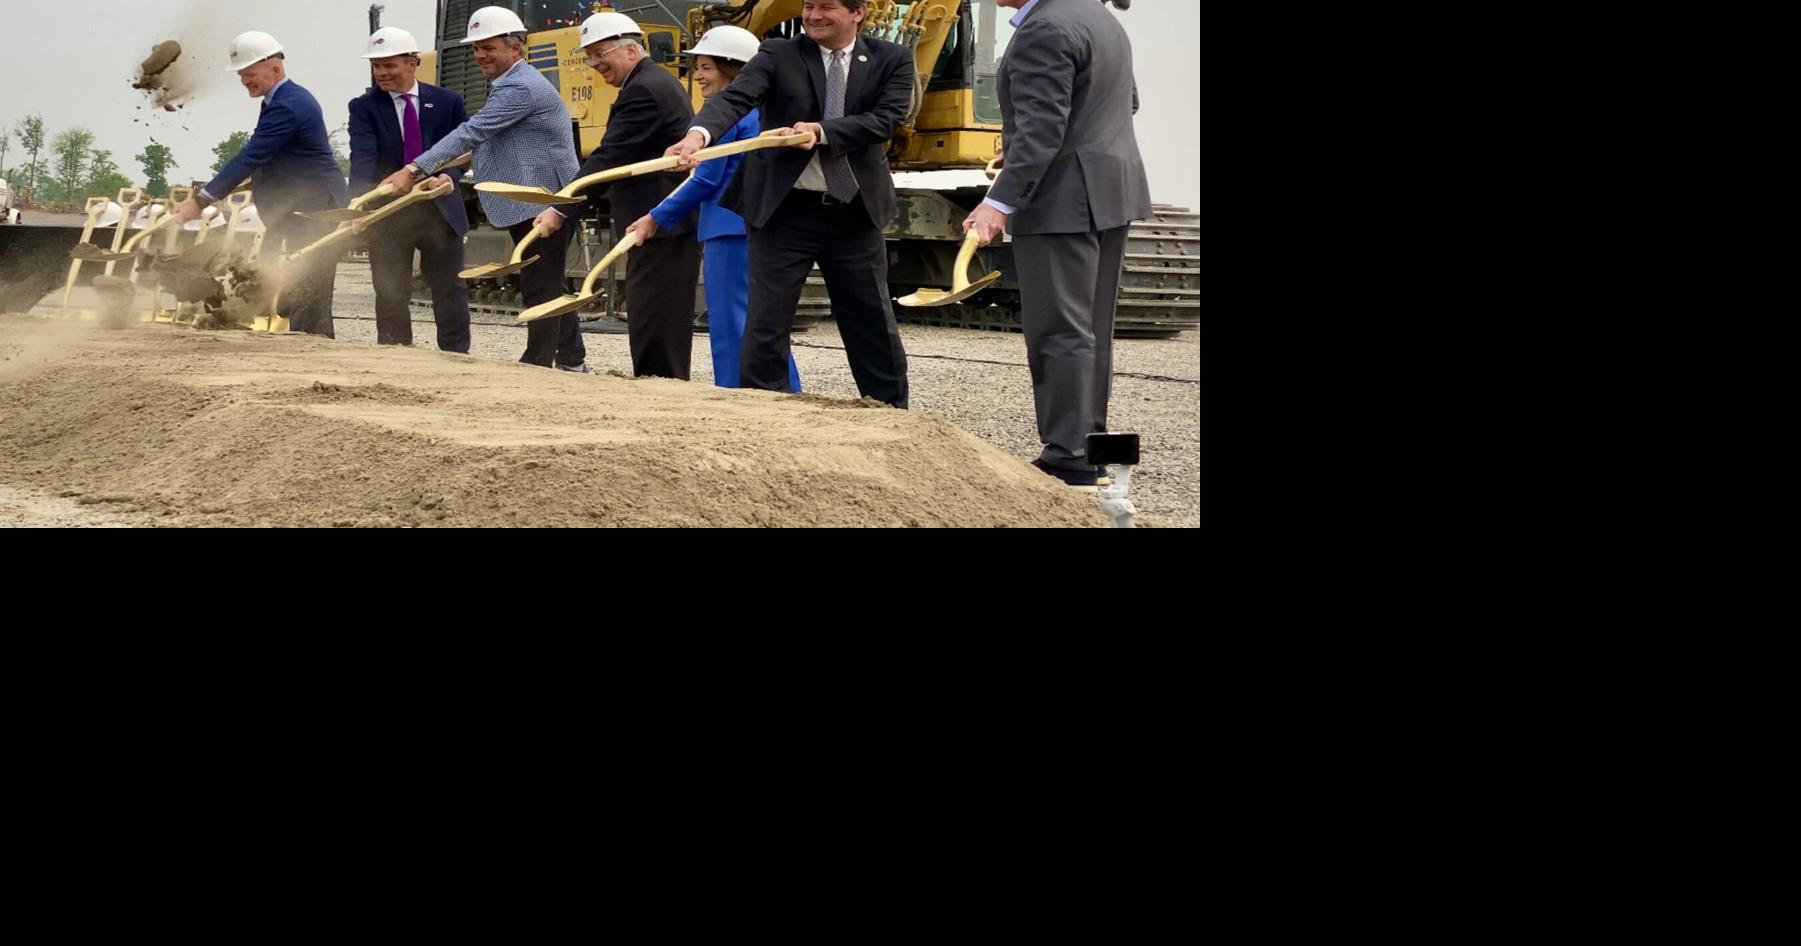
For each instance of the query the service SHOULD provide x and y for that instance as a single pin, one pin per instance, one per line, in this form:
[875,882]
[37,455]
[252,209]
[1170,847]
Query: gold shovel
[88,253]
[96,206]
[572,193]
[130,199]
[420,192]
[357,209]
[961,287]
[492,270]
[569,304]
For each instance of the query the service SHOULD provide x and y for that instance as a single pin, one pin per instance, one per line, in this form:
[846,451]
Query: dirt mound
[170,425]
[322,393]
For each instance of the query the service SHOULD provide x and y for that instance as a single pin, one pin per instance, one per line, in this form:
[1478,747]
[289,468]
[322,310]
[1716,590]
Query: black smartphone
[1113,449]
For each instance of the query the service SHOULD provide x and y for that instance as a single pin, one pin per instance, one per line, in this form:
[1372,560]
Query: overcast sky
[73,62]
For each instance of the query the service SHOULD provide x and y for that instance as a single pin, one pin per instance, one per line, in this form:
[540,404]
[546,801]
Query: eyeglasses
[595,58]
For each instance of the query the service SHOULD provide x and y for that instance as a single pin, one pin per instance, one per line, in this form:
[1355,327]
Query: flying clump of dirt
[163,78]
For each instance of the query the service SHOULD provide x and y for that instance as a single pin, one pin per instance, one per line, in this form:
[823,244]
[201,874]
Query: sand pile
[206,428]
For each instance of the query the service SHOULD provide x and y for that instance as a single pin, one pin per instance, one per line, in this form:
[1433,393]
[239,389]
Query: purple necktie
[412,141]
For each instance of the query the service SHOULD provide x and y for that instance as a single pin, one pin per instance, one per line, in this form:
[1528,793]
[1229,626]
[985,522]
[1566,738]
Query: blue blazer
[376,143]
[708,183]
[289,160]
[522,136]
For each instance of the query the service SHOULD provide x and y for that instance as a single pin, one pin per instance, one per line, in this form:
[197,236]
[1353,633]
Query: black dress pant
[306,292]
[548,342]
[853,257]
[660,279]
[420,228]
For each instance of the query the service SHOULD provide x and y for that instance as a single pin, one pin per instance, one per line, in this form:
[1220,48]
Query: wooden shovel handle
[619,249]
[656,165]
[417,194]
[131,245]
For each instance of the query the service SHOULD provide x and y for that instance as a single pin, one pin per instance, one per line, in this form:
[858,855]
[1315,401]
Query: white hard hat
[111,215]
[251,48]
[727,42]
[608,26]
[392,41]
[489,22]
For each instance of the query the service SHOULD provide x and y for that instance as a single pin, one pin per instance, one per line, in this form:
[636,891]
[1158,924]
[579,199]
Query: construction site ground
[165,425]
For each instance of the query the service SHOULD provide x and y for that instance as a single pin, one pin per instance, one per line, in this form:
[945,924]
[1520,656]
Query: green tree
[22,192]
[31,141]
[156,162]
[71,149]
[228,149]
[104,178]
[6,144]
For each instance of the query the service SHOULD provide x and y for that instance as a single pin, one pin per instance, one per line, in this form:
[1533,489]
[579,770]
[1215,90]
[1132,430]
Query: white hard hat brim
[266,58]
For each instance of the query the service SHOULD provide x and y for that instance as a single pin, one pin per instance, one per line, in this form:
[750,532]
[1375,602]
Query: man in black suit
[826,204]
[652,112]
[391,125]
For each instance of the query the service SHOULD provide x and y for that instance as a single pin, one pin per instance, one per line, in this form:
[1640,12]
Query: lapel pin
[862,58]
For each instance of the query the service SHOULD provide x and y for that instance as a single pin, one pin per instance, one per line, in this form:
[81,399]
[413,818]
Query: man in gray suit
[1071,184]
[521,136]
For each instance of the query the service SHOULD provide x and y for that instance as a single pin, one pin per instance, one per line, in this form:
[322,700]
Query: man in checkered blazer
[522,136]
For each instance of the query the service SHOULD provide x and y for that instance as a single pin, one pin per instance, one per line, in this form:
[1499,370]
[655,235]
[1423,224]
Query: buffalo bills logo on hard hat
[474,26]
[380,41]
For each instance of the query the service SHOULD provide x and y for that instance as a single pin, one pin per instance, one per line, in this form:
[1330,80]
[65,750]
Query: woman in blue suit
[719,56]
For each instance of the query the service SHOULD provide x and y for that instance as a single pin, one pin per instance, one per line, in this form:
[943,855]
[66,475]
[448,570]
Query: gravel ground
[978,380]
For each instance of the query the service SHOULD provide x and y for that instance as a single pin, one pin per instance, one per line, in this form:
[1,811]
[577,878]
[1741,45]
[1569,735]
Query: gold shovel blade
[526,194]
[927,298]
[494,270]
[554,308]
[341,215]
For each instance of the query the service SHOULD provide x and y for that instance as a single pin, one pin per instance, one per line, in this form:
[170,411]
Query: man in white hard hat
[1072,184]
[652,112]
[522,136]
[391,126]
[292,170]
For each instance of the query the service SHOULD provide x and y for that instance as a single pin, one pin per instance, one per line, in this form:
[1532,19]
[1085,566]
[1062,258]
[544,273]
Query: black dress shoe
[1069,477]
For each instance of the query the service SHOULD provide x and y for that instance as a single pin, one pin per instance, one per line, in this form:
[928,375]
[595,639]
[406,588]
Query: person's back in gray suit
[1071,185]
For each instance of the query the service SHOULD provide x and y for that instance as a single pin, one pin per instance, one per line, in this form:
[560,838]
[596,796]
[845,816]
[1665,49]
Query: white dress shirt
[813,178]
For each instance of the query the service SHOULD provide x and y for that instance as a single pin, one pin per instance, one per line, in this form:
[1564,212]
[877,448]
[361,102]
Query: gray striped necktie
[839,181]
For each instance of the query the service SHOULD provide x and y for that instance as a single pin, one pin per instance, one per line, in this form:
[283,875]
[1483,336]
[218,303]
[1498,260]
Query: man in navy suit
[292,171]
[390,125]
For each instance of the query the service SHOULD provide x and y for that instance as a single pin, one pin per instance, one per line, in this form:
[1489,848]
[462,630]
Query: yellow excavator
[938,157]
